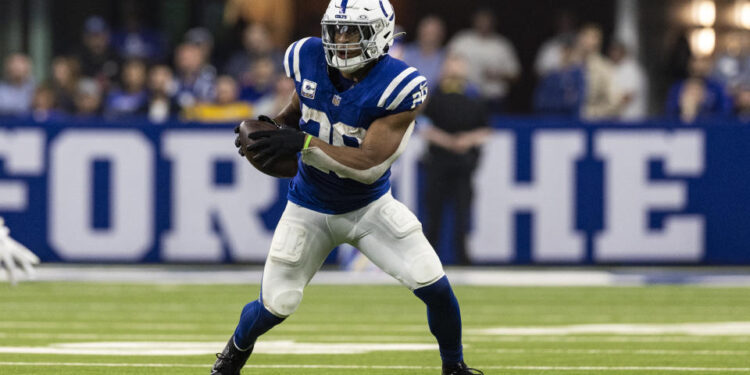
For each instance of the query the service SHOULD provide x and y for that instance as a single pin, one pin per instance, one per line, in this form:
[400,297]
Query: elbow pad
[315,157]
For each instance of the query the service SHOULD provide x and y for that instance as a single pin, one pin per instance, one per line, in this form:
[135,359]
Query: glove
[13,254]
[237,142]
[274,144]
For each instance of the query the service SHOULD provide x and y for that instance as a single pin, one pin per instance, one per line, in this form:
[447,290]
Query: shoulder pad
[301,50]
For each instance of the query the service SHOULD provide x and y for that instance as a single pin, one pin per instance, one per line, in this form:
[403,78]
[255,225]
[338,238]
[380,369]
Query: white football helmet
[371,20]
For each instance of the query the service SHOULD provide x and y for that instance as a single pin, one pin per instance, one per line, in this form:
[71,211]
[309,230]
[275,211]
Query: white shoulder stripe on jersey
[286,61]
[400,98]
[296,59]
[396,81]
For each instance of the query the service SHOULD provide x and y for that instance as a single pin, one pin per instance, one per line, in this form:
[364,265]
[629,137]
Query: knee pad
[426,269]
[283,303]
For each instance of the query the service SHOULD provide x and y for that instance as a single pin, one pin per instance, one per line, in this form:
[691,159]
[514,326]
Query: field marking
[614,339]
[618,351]
[376,338]
[693,329]
[181,327]
[357,367]
[205,348]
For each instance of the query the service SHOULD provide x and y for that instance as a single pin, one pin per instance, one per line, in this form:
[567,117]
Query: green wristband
[308,139]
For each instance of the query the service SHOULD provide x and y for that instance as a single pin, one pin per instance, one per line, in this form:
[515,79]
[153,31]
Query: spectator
[600,102]
[427,53]
[43,106]
[161,105]
[257,44]
[17,90]
[227,108]
[65,71]
[493,64]
[136,41]
[728,67]
[271,105]
[277,15]
[459,128]
[195,77]
[88,99]
[678,58]
[561,91]
[203,39]
[743,102]
[97,57]
[550,56]
[261,80]
[629,80]
[131,97]
[698,96]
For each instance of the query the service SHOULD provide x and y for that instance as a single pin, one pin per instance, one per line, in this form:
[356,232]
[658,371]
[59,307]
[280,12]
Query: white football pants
[385,231]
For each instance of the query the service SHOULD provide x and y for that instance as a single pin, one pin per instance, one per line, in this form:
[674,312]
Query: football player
[13,254]
[351,116]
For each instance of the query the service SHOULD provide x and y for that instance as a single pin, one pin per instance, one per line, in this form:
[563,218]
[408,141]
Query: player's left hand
[14,255]
[271,145]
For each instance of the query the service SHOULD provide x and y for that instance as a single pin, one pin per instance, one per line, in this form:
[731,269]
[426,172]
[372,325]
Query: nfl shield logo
[336,100]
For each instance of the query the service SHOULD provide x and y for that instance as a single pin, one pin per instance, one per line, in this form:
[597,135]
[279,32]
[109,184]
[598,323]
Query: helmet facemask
[360,47]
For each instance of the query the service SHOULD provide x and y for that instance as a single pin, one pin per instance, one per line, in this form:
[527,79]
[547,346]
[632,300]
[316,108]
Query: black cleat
[460,369]
[230,360]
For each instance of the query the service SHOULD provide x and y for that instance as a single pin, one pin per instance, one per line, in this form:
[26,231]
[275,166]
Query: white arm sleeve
[317,158]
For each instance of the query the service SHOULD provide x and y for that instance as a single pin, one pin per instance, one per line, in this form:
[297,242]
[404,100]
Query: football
[285,167]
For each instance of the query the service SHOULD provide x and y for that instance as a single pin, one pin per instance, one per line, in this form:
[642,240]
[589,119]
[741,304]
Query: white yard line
[354,367]
[691,329]
[377,338]
[611,338]
[182,327]
[207,348]
[498,276]
[618,351]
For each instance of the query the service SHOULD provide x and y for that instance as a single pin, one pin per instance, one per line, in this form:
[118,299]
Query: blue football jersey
[342,119]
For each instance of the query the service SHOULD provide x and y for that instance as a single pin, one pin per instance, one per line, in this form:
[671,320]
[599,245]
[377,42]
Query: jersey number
[338,134]
[420,96]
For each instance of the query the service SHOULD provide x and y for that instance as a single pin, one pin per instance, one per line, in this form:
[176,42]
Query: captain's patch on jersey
[308,89]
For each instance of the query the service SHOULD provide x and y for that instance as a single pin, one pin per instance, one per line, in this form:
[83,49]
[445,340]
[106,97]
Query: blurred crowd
[132,73]
[577,79]
[126,75]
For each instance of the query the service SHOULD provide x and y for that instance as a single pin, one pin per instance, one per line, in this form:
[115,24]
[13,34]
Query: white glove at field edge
[13,255]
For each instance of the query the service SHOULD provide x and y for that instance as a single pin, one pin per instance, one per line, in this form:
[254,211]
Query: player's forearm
[366,164]
[355,158]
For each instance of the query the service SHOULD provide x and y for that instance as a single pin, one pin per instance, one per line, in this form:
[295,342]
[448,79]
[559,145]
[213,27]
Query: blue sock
[444,318]
[255,321]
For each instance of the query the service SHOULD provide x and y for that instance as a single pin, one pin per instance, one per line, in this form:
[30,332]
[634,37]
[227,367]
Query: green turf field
[69,319]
